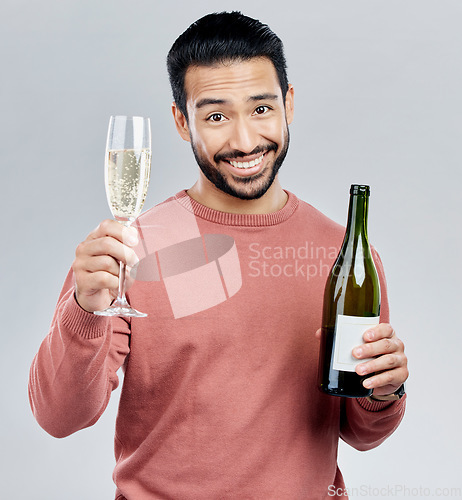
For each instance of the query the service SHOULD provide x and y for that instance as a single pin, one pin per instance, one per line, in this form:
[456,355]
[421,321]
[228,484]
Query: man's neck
[208,195]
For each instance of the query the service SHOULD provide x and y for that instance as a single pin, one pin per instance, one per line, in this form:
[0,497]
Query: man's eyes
[219,117]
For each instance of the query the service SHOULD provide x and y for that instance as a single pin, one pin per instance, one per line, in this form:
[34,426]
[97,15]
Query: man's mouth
[253,165]
[247,164]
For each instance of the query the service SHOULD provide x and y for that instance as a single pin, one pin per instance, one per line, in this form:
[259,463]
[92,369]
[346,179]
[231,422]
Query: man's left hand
[389,363]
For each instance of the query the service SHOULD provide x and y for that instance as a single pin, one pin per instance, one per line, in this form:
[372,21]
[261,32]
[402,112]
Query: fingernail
[358,352]
[367,383]
[370,335]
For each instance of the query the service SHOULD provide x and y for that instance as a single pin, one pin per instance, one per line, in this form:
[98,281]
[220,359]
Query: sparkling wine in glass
[126,174]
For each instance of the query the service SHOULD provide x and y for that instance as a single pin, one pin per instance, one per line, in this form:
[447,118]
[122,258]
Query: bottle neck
[357,218]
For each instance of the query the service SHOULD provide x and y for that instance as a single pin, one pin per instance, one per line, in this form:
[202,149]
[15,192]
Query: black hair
[218,38]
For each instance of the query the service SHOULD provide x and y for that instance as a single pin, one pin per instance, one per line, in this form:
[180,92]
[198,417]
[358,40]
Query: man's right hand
[96,264]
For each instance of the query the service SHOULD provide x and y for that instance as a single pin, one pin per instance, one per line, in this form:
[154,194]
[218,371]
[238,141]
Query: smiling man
[219,397]
[237,121]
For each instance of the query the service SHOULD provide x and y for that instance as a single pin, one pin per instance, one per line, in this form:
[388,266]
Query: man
[219,397]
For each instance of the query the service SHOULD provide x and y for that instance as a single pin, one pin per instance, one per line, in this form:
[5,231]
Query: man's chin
[247,188]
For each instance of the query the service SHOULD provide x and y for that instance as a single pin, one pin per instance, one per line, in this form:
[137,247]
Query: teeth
[247,164]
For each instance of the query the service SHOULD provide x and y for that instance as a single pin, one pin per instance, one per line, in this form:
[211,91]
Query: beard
[244,188]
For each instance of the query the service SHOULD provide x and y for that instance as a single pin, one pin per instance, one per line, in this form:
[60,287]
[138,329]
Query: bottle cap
[360,189]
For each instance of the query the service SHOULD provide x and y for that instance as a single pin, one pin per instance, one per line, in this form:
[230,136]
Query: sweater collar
[229,219]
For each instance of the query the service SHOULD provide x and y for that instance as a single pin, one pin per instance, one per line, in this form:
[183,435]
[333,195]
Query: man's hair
[220,38]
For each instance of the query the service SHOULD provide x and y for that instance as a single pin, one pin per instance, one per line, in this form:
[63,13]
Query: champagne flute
[127,171]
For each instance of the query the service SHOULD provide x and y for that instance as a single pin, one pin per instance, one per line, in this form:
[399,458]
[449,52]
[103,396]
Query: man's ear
[290,104]
[181,123]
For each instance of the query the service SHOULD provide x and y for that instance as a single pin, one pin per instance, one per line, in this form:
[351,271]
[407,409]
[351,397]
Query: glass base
[121,309]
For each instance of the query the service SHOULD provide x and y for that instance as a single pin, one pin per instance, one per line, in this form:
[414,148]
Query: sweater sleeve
[365,425]
[74,372]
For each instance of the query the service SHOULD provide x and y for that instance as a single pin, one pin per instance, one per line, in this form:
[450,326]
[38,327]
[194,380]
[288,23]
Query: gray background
[378,100]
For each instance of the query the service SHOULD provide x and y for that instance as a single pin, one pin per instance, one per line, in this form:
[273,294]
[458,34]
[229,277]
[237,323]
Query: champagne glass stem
[121,300]
[120,306]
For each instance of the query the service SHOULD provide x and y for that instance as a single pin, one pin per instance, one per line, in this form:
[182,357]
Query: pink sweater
[219,399]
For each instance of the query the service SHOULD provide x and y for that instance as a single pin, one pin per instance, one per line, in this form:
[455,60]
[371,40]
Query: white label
[349,332]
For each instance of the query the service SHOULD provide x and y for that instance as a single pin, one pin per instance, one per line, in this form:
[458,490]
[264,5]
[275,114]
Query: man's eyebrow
[263,97]
[207,100]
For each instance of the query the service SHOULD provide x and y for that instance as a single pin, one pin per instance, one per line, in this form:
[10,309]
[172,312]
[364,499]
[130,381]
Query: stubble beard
[244,188]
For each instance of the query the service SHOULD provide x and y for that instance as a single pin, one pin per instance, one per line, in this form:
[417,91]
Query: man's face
[237,124]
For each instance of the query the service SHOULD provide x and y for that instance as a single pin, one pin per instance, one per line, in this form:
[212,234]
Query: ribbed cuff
[84,323]
[378,405]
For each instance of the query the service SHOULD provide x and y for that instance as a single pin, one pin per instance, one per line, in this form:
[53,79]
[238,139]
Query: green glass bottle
[351,304]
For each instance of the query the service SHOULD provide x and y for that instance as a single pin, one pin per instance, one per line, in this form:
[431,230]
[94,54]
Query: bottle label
[349,332]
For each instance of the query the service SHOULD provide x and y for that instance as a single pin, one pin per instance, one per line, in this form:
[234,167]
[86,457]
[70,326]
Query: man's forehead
[248,80]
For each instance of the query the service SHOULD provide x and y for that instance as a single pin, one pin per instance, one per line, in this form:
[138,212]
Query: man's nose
[243,136]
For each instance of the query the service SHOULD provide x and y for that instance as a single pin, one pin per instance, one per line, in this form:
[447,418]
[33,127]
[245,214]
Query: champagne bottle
[351,304]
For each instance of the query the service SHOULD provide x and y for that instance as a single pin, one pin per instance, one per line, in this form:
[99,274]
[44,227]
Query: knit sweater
[220,397]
